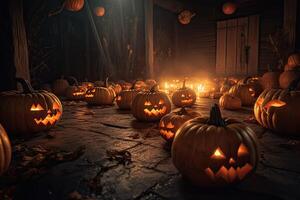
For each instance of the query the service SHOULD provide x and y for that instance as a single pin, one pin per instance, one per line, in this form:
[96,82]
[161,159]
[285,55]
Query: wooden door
[237,46]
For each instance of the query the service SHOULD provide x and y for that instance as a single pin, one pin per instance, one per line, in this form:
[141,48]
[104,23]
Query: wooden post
[290,21]
[21,60]
[149,37]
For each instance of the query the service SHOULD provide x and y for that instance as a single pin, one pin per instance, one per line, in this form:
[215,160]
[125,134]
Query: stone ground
[150,175]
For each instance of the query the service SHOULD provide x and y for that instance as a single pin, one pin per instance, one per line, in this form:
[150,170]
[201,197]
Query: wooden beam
[21,59]
[290,21]
[171,5]
[149,37]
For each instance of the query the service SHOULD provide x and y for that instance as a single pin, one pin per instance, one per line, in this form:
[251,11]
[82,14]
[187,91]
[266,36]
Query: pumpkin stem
[216,117]
[182,111]
[183,84]
[154,88]
[106,83]
[27,88]
[294,84]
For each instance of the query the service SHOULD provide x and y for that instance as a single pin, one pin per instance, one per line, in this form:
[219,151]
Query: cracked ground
[126,159]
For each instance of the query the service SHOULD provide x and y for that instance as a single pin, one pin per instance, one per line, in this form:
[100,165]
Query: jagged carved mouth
[167,133]
[89,95]
[78,93]
[49,119]
[231,174]
[155,111]
[186,101]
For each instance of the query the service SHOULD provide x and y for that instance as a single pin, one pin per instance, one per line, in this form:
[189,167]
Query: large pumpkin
[278,110]
[244,92]
[184,96]
[60,86]
[74,5]
[100,95]
[29,111]
[125,98]
[151,105]
[75,92]
[287,77]
[270,80]
[5,151]
[171,122]
[212,151]
[230,102]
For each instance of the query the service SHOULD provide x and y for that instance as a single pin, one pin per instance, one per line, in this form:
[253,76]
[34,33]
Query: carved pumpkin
[5,151]
[75,92]
[287,77]
[277,109]
[59,86]
[294,59]
[171,122]
[29,111]
[244,92]
[100,95]
[229,8]
[184,96]
[87,85]
[99,11]
[151,105]
[212,151]
[230,102]
[125,98]
[254,83]
[270,80]
[74,5]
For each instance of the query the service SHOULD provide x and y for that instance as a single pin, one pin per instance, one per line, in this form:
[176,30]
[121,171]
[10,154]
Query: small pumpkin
[74,5]
[116,87]
[125,98]
[75,92]
[99,11]
[244,92]
[212,151]
[294,59]
[151,105]
[184,96]
[287,77]
[5,151]
[29,111]
[100,95]
[278,109]
[171,122]
[59,86]
[230,102]
[270,80]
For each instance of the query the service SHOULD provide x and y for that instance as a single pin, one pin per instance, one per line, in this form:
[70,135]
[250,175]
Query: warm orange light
[170,125]
[242,150]
[147,103]
[218,154]
[275,103]
[260,101]
[37,107]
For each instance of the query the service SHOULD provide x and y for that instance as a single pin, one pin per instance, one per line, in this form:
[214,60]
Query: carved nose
[231,161]
[49,112]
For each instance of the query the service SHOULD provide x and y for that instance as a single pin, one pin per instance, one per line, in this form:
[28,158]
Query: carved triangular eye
[242,151]
[218,154]
[37,107]
[55,106]
[162,124]
[147,103]
[182,95]
[170,125]
[275,103]
[161,102]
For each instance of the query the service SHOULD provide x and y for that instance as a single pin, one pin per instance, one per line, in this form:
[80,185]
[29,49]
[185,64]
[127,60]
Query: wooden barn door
[237,46]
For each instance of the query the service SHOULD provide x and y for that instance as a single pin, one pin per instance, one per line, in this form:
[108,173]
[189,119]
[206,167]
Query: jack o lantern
[245,92]
[5,151]
[185,17]
[277,109]
[100,95]
[59,86]
[151,105]
[125,98]
[212,151]
[230,102]
[184,96]
[229,8]
[87,85]
[74,5]
[171,122]
[29,111]
[99,11]
[75,92]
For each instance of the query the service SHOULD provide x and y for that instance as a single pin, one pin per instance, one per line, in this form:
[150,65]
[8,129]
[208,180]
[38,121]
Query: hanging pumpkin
[229,8]
[99,11]
[185,17]
[184,96]
[75,92]
[270,80]
[277,109]
[171,122]
[100,95]
[29,111]
[212,151]
[125,98]
[59,86]
[294,59]
[5,151]
[151,105]
[287,77]
[230,102]
[244,92]
[74,5]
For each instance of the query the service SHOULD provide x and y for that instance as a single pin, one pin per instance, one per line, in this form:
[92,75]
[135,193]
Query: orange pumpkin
[74,5]
[294,59]
[99,11]
[229,8]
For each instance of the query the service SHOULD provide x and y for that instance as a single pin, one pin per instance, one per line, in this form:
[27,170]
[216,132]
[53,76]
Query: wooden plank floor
[151,174]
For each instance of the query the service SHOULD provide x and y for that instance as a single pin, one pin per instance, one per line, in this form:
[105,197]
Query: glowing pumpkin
[184,96]
[5,151]
[100,95]
[75,92]
[212,151]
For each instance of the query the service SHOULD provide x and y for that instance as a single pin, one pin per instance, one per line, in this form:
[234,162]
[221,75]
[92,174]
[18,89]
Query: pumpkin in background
[125,98]
[100,95]
[87,85]
[171,122]
[125,85]
[116,87]
[270,80]
[99,11]
[150,83]
[75,92]
[46,87]
[230,102]
[59,86]
[255,84]
[5,151]
[288,67]
[287,77]
[212,151]
[215,95]
[244,92]
[140,86]
[185,17]
[99,84]
[151,105]
[229,8]
[184,96]
[74,5]
[278,109]
[29,111]
[294,59]
[226,85]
